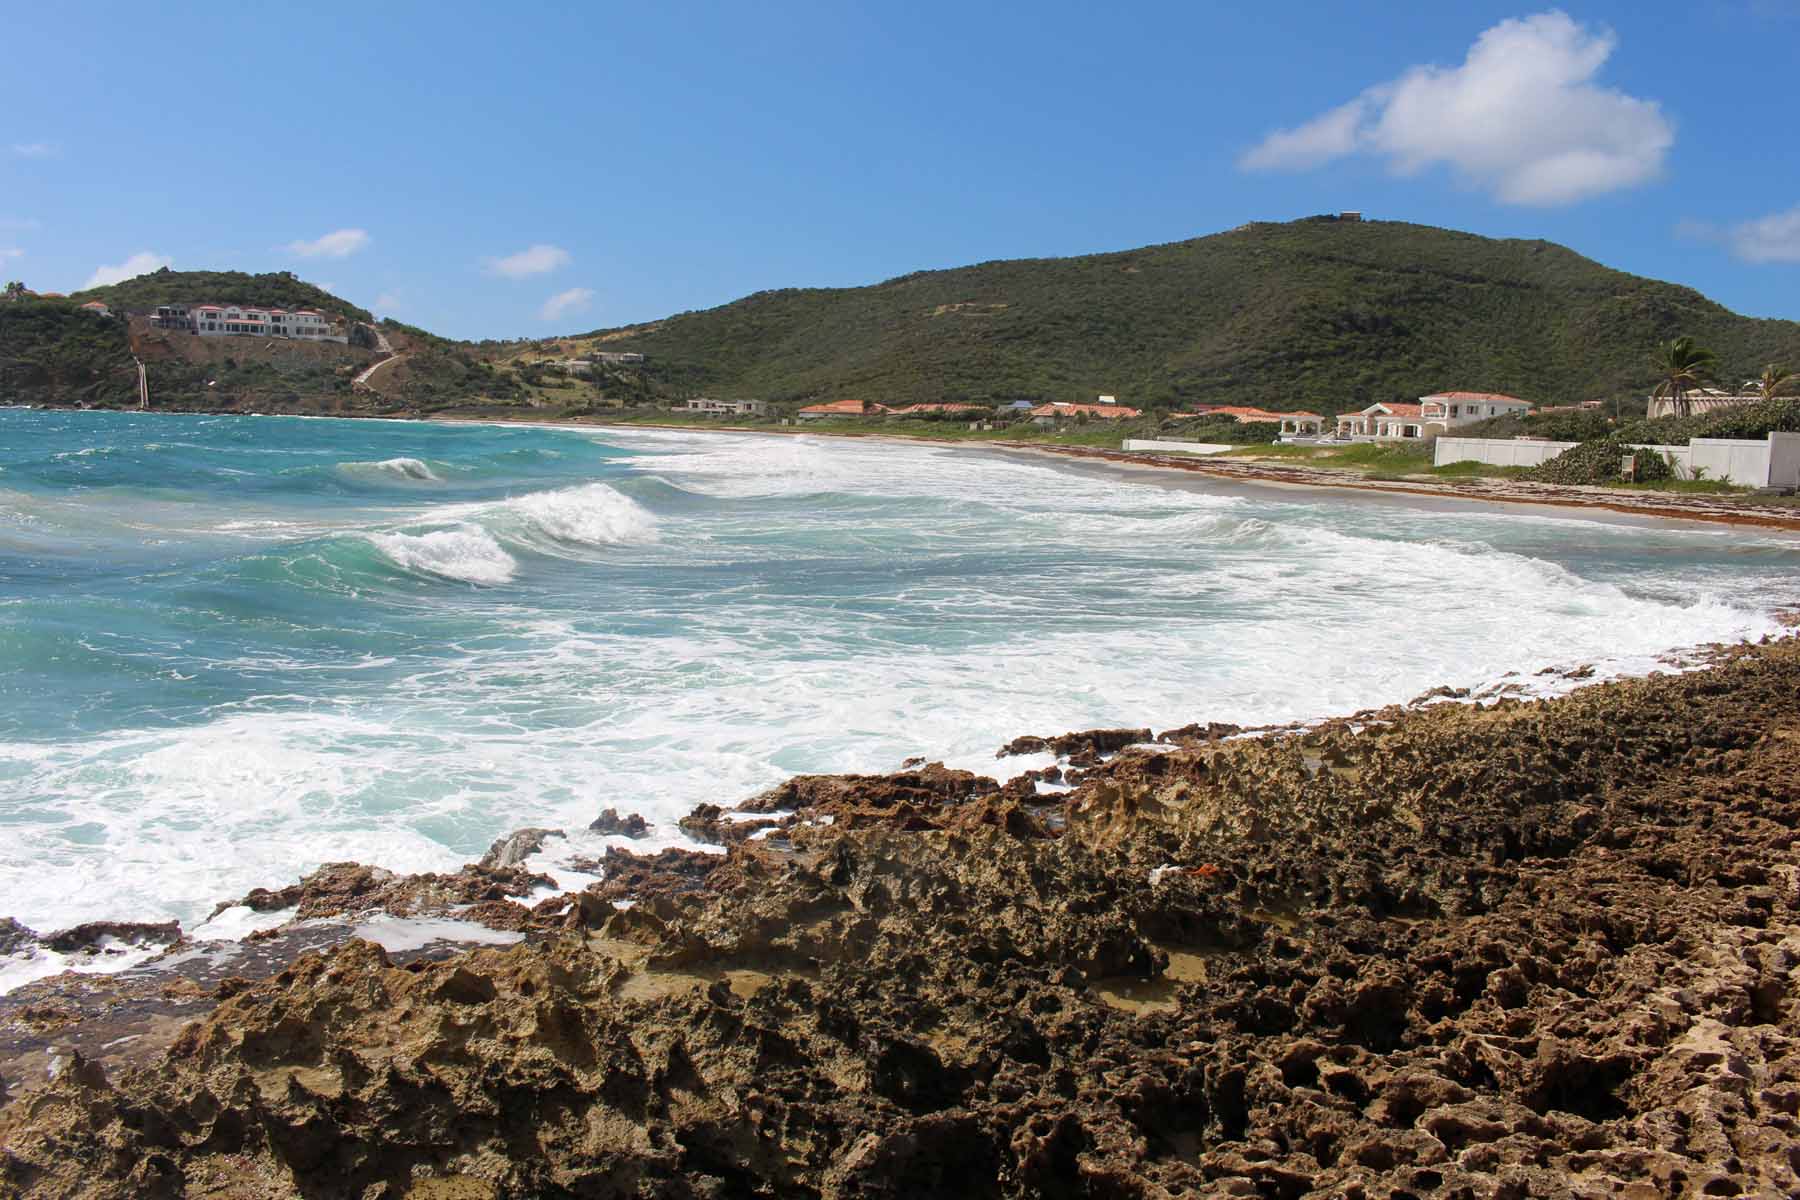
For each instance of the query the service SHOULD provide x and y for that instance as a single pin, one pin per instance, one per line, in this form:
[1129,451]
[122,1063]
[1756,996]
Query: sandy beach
[1253,473]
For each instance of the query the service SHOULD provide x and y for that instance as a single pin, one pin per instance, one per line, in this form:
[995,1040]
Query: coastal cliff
[1526,948]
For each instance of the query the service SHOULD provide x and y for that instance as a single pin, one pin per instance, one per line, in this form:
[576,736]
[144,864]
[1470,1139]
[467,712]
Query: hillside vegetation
[1318,313]
[53,352]
[278,289]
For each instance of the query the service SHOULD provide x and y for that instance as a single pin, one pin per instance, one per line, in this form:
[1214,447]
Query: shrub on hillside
[1598,461]
[1749,421]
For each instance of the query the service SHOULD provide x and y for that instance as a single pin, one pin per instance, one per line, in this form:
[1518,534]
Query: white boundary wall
[1496,452]
[1176,447]
[1773,462]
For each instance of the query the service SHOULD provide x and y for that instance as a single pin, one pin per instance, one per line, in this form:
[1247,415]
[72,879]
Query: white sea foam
[396,934]
[846,607]
[108,957]
[409,469]
[591,515]
[469,554]
[239,921]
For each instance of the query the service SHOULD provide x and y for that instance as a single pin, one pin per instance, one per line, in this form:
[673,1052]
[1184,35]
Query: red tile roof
[1106,412]
[1485,397]
[846,408]
[925,408]
[1246,414]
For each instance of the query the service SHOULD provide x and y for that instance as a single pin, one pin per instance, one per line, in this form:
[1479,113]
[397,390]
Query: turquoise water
[232,648]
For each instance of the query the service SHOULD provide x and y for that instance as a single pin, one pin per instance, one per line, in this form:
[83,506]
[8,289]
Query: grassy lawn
[1391,457]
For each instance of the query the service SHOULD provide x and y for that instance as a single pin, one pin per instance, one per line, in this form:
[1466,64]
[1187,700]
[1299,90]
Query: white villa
[1431,416]
[728,408]
[234,320]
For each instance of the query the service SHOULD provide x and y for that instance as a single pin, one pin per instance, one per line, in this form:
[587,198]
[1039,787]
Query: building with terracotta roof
[843,408]
[1304,423]
[922,410]
[1432,415]
[1059,410]
[228,320]
[97,308]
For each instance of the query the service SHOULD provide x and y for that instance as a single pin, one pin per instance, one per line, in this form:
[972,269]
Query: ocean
[234,648]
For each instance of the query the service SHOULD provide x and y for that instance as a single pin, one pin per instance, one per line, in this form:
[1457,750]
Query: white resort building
[728,408]
[1431,416]
[233,320]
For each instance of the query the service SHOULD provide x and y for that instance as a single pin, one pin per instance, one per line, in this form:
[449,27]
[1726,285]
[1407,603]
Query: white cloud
[1774,238]
[1310,145]
[141,263]
[11,252]
[388,302]
[33,149]
[341,244]
[1522,117]
[573,300]
[534,260]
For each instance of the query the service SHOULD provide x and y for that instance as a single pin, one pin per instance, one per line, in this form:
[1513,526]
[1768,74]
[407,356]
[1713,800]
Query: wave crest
[392,468]
[590,515]
[469,554]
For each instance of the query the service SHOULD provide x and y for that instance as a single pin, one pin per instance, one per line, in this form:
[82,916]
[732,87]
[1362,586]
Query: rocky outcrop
[631,826]
[348,888]
[513,849]
[1523,949]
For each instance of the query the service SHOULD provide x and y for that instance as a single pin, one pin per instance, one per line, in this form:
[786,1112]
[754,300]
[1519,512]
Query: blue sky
[533,169]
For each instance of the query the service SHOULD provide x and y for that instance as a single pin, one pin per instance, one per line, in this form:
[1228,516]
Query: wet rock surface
[1523,949]
[349,888]
[631,826]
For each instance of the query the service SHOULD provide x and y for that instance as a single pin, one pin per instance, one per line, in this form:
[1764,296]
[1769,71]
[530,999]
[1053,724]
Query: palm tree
[1682,366]
[1775,378]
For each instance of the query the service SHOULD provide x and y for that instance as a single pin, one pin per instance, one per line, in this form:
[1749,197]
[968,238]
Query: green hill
[278,289]
[51,352]
[1316,313]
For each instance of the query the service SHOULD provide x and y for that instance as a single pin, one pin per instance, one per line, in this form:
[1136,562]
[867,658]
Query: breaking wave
[591,515]
[469,554]
[412,469]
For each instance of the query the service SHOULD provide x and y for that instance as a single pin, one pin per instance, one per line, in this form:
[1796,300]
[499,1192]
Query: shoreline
[1585,500]
[1389,978]
[1060,456]
[1589,500]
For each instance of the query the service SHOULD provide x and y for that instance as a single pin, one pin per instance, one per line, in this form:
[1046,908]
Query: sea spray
[248,675]
[469,554]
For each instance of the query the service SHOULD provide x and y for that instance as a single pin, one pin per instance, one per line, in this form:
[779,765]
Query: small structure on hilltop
[97,308]
[843,408]
[727,408]
[1391,421]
